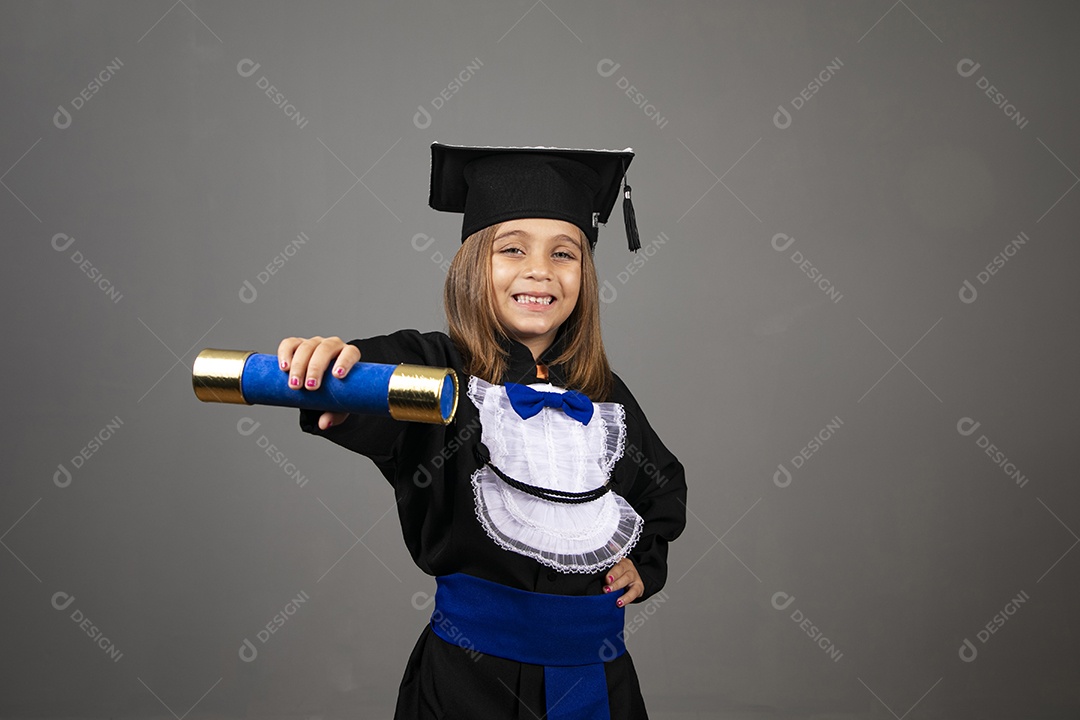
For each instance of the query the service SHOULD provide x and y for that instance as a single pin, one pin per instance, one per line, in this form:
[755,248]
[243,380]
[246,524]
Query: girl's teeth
[529,299]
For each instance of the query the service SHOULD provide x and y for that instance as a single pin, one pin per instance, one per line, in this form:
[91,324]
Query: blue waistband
[572,636]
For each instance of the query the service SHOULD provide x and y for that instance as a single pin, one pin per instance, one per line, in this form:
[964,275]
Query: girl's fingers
[321,358]
[328,419]
[621,573]
[307,359]
[298,366]
[631,595]
[348,357]
[285,351]
[331,355]
[624,575]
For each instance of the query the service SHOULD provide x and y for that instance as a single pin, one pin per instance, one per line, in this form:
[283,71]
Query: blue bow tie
[528,402]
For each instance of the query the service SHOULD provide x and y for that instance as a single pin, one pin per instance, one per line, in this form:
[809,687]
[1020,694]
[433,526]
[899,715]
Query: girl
[547,505]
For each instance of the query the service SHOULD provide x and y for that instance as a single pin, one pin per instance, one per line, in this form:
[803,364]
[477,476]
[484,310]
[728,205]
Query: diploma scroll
[404,392]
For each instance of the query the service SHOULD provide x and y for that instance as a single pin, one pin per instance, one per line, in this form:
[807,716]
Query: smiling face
[535,278]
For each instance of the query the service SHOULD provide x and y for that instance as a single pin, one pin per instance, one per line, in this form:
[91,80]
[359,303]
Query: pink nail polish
[311,382]
[610,578]
[607,589]
[619,602]
[294,381]
[284,365]
[339,372]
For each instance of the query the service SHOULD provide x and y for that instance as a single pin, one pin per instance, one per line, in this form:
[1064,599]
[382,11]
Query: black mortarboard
[495,184]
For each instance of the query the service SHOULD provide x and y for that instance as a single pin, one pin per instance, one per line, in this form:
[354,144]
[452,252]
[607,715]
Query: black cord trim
[561,496]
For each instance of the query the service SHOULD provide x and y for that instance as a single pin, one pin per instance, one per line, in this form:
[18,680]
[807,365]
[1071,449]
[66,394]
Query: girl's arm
[658,494]
[379,438]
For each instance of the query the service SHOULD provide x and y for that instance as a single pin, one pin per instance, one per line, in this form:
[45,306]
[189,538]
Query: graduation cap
[494,184]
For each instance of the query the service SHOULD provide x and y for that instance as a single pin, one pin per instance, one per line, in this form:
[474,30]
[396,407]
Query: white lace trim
[554,451]
[499,509]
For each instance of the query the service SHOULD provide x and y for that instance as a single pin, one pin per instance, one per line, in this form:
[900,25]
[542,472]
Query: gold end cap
[215,375]
[415,394]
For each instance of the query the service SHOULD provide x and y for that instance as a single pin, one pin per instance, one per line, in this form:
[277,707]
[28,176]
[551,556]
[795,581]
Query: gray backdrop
[852,319]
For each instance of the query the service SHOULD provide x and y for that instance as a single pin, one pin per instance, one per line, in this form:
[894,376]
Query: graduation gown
[429,468]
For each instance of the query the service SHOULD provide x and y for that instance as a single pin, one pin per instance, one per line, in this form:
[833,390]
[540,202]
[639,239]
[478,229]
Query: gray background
[899,538]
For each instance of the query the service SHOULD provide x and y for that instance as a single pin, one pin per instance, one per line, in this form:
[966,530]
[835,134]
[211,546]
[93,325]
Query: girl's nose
[539,268]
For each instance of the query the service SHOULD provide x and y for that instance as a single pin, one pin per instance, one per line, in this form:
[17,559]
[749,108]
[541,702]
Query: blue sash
[572,636]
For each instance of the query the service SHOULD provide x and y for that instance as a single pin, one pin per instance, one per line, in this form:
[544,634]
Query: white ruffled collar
[554,451]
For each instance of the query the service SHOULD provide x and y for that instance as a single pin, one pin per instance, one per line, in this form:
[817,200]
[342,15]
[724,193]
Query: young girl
[547,505]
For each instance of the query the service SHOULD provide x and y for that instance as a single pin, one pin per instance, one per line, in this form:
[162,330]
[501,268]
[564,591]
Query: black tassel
[630,219]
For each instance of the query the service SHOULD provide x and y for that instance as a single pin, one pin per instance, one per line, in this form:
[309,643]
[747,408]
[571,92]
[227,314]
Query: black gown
[429,467]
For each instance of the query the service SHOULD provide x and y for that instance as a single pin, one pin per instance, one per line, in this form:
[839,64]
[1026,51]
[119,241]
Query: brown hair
[475,329]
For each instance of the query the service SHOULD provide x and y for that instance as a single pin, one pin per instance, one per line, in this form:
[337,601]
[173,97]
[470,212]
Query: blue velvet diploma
[404,392]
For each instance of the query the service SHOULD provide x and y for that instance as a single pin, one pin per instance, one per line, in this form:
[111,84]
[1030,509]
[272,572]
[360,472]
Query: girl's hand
[623,574]
[307,359]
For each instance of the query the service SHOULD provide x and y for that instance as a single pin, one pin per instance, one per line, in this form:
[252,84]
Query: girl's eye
[564,254]
[510,250]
